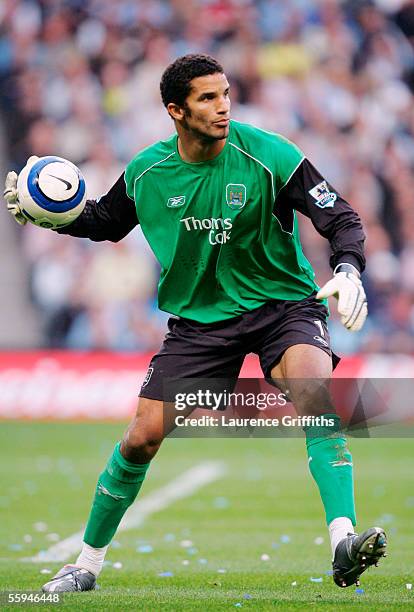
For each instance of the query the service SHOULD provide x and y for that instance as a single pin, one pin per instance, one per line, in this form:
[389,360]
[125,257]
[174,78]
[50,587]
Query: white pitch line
[183,486]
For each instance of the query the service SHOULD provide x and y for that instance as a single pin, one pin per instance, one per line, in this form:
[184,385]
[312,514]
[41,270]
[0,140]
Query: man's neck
[195,150]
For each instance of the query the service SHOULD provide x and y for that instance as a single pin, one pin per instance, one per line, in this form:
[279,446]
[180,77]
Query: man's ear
[176,112]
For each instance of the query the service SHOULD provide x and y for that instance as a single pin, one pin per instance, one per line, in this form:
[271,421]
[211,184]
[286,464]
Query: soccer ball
[51,192]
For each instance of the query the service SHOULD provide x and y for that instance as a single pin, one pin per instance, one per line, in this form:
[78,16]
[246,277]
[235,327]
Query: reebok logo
[176,201]
[218,229]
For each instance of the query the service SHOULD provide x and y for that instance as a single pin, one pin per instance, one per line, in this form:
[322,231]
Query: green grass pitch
[266,504]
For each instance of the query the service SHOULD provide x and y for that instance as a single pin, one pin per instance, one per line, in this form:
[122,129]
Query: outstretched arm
[111,217]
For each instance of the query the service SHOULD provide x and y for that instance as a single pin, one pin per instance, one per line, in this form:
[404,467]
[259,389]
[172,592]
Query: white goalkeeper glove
[352,302]
[11,194]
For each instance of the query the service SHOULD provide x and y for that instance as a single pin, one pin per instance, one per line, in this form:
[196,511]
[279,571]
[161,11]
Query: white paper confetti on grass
[265,557]
[169,537]
[185,485]
[318,541]
[53,537]
[40,526]
[186,543]
[221,502]
[145,548]
[385,519]
[316,579]
[409,586]
[117,565]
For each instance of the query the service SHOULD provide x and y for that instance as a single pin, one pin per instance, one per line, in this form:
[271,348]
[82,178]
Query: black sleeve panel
[339,223]
[112,217]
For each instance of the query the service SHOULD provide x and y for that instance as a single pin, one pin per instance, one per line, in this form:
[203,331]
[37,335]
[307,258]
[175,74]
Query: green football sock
[330,463]
[117,488]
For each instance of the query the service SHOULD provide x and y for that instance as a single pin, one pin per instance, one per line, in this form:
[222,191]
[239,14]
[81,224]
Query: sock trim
[319,433]
[135,468]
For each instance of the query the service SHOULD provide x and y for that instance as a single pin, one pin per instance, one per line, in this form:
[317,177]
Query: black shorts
[217,350]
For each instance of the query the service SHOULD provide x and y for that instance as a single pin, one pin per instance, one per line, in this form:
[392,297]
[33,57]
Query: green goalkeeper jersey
[212,226]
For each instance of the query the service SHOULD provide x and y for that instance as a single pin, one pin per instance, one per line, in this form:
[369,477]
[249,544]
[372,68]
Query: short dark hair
[175,82]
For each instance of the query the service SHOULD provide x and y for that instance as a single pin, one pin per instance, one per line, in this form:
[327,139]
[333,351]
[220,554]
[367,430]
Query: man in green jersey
[217,203]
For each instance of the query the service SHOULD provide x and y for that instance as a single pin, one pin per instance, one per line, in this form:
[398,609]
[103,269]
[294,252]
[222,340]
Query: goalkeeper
[217,203]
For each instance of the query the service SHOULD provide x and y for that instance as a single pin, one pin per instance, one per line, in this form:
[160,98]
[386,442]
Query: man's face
[206,112]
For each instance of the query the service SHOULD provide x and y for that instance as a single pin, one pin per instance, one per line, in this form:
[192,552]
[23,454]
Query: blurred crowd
[80,79]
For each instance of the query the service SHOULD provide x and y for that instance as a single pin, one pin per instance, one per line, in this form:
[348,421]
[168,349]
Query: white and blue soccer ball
[52,192]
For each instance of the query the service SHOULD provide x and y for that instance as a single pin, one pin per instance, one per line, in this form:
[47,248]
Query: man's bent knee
[145,433]
[140,447]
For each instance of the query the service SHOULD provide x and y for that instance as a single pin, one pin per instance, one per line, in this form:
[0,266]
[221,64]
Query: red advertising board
[101,386]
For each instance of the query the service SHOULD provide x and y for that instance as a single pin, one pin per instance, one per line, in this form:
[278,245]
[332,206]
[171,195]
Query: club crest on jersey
[323,197]
[236,195]
[176,202]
